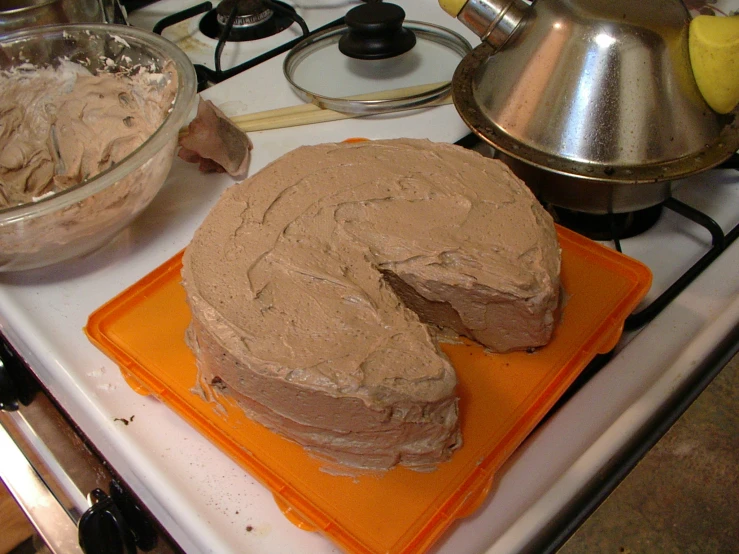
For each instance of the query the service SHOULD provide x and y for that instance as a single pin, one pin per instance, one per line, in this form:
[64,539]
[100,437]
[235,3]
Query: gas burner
[246,20]
[606,226]
[248,13]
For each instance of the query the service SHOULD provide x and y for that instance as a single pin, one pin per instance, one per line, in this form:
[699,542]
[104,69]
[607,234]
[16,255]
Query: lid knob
[376,32]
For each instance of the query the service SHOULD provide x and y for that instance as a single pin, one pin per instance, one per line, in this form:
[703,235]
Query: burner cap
[255,19]
[248,13]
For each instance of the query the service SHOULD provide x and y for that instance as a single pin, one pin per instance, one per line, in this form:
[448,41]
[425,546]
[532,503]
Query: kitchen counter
[683,496]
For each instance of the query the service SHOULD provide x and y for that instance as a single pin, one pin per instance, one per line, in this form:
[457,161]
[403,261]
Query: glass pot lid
[375,62]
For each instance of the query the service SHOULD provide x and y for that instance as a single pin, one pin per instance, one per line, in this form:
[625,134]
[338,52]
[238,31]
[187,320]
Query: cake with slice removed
[317,286]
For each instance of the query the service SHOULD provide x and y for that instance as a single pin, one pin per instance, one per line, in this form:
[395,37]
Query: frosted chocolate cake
[317,287]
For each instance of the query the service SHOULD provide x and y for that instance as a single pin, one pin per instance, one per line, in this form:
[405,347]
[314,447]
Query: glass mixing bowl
[88,215]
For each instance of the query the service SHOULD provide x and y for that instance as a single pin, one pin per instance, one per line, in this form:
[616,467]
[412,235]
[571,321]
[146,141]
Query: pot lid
[598,90]
[376,62]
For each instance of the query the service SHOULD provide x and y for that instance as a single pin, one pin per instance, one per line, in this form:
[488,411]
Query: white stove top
[207,502]
[200,48]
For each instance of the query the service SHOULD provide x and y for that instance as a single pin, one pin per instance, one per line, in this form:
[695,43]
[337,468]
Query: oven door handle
[101,529]
[42,508]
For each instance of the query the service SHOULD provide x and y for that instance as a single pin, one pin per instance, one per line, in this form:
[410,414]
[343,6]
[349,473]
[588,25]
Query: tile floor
[683,496]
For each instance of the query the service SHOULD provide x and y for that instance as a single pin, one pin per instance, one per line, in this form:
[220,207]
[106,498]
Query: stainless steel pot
[592,102]
[20,14]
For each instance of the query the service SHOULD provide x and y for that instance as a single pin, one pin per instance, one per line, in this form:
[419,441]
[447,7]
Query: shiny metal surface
[596,197]
[47,515]
[494,21]
[60,458]
[597,90]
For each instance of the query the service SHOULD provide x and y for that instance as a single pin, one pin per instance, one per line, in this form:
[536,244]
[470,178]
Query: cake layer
[310,283]
[340,427]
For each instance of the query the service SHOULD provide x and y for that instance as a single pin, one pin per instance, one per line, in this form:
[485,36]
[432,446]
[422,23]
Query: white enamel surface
[207,502]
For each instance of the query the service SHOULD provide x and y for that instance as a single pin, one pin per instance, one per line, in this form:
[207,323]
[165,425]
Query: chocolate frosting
[61,126]
[310,283]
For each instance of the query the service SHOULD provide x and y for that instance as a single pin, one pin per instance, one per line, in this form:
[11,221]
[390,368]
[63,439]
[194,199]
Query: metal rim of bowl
[186,88]
[463,95]
[433,33]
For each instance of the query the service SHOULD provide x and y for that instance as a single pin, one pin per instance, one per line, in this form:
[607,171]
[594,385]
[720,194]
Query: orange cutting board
[502,399]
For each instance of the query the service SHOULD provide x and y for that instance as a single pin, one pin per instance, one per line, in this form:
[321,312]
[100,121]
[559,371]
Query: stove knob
[16,386]
[376,32]
[8,391]
[139,522]
[102,529]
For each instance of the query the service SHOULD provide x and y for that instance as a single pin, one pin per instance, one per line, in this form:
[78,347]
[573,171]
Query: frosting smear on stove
[313,283]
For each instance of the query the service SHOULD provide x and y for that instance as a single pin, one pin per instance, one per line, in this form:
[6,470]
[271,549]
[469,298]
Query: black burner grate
[278,21]
[283,16]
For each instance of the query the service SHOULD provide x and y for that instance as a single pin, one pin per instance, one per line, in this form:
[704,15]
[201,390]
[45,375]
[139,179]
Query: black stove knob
[16,385]
[102,528]
[8,390]
[376,32]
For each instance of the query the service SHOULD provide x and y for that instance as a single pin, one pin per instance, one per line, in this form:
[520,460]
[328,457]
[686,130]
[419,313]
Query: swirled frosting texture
[311,284]
[61,126]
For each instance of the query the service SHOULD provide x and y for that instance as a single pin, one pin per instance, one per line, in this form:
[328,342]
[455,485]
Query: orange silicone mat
[502,398]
